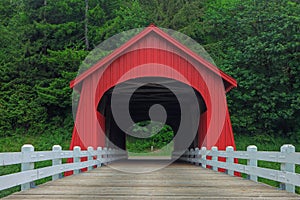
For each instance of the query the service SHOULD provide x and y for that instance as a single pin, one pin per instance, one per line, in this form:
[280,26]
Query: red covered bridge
[153,54]
[126,87]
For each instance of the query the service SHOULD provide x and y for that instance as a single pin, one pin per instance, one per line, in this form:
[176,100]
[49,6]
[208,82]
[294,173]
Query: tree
[257,42]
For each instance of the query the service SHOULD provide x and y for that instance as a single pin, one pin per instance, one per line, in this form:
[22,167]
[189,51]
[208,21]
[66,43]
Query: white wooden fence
[27,157]
[287,157]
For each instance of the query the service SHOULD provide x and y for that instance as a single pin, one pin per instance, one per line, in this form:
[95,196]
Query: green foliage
[263,142]
[130,15]
[154,135]
[42,44]
[257,42]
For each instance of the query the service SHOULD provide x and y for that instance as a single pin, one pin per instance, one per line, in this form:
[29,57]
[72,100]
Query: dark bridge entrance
[142,100]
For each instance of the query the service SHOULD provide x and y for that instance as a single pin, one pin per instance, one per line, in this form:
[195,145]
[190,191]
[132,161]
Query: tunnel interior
[141,100]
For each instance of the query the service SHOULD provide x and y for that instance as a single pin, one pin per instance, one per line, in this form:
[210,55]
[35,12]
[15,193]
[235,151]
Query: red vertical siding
[158,58]
[213,97]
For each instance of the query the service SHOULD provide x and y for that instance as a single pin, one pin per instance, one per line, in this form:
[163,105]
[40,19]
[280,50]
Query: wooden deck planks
[177,181]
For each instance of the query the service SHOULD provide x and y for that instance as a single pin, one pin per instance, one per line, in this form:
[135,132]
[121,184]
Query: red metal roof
[231,82]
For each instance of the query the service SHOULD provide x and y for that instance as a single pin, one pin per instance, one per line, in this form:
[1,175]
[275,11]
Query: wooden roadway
[177,181]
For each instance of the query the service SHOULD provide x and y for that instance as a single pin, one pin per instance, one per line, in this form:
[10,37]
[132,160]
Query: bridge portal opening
[141,100]
[151,139]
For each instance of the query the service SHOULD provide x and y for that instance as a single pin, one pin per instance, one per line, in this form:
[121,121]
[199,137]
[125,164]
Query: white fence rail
[287,157]
[27,157]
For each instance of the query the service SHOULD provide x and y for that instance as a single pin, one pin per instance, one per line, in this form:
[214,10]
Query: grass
[165,151]
[264,142]
[40,142]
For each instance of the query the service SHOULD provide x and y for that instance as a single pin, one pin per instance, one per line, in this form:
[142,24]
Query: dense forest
[43,42]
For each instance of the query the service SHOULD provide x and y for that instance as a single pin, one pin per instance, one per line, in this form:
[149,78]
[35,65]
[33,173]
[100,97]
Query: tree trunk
[45,4]
[87,45]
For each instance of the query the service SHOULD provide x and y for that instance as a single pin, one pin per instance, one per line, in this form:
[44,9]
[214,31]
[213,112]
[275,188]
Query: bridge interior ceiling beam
[150,94]
[125,87]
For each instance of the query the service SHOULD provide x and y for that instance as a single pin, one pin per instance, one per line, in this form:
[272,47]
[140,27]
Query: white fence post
[192,154]
[229,160]
[27,149]
[109,155]
[76,157]
[197,156]
[56,161]
[105,156]
[203,157]
[287,167]
[252,162]
[99,156]
[214,158]
[186,155]
[90,157]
